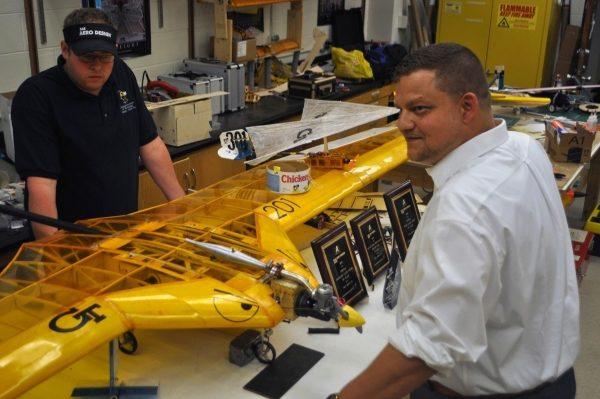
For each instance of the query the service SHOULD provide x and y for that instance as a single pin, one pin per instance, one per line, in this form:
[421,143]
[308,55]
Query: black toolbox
[312,85]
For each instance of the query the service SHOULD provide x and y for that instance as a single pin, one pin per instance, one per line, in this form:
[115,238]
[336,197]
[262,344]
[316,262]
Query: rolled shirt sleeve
[443,309]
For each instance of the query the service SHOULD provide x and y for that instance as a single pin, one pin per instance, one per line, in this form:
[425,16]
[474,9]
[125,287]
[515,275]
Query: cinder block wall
[169,43]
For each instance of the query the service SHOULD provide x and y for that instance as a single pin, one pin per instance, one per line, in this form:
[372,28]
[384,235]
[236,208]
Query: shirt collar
[464,154]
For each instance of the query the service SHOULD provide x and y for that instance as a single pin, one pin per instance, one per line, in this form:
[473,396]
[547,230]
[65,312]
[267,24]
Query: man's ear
[469,105]
[64,49]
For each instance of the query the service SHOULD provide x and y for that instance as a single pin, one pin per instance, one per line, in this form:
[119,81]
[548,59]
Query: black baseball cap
[85,38]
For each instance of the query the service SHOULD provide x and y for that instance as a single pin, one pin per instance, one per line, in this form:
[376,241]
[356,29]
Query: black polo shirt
[89,144]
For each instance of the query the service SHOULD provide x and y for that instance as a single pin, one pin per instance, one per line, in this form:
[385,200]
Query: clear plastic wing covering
[319,119]
[145,270]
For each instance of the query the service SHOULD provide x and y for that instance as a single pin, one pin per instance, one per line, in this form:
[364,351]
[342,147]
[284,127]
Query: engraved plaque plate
[338,266]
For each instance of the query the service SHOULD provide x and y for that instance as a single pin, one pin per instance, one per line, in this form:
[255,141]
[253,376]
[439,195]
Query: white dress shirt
[489,296]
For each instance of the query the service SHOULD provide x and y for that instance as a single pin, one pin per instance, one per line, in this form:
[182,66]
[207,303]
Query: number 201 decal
[282,207]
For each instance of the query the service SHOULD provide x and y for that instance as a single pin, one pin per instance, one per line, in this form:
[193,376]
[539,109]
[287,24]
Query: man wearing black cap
[80,128]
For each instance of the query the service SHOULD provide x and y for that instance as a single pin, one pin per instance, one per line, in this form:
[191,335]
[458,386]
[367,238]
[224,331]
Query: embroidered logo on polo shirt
[126,105]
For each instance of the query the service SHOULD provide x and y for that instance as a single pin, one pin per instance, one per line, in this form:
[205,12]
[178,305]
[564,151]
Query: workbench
[567,173]
[197,165]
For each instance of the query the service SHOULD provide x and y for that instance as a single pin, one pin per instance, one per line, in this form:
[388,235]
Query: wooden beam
[220,20]
[223,33]
[31,38]
[223,45]
[229,40]
[294,27]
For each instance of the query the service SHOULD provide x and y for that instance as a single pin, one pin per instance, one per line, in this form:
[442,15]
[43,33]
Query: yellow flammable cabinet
[518,34]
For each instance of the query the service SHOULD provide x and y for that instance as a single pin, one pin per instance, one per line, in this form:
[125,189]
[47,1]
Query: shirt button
[106,115]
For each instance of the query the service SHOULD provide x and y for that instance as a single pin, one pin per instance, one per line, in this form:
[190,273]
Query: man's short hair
[457,69]
[86,16]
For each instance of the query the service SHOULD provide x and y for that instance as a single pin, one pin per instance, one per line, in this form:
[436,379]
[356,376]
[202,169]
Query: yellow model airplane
[218,258]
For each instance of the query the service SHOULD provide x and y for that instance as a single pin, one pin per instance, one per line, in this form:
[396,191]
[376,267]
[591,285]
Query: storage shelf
[224,27]
[250,3]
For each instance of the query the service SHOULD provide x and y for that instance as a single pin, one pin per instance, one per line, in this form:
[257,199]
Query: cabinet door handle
[193,173]
[186,182]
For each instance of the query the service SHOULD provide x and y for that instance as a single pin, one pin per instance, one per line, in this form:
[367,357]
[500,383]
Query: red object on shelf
[581,241]
[170,89]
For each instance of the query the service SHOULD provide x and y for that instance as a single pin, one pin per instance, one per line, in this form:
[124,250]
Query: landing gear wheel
[128,343]
[264,352]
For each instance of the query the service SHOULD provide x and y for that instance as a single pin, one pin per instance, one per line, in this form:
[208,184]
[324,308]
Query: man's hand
[42,200]
[391,375]
[157,160]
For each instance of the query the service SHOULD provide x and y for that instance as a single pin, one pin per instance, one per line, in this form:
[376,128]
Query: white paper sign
[229,149]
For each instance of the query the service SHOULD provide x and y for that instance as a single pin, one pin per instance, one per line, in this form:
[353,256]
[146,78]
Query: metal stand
[112,391]
[251,67]
[268,68]
[295,61]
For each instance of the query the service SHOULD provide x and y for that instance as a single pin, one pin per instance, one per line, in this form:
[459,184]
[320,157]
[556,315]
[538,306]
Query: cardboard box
[185,123]
[244,50]
[573,146]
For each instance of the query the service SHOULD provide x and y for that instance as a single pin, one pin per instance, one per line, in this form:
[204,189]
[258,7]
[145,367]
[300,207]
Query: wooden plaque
[404,214]
[370,242]
[338,266]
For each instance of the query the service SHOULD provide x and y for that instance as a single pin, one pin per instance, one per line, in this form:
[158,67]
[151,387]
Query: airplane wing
[62,297]
[517,100]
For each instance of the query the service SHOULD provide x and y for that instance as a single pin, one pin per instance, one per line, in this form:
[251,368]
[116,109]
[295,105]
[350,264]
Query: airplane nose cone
[354,319]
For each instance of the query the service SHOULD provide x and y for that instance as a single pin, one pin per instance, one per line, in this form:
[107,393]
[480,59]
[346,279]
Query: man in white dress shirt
[488,305]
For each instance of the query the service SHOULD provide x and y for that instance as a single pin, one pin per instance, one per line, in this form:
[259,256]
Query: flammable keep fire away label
[517,16]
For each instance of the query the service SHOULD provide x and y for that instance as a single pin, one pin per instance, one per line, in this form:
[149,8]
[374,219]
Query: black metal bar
[34,217]
[191,30]
[42,21]
[325,330]
[161,21]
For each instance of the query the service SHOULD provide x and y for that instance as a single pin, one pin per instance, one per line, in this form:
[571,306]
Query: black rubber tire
[262,350]
[128,343]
